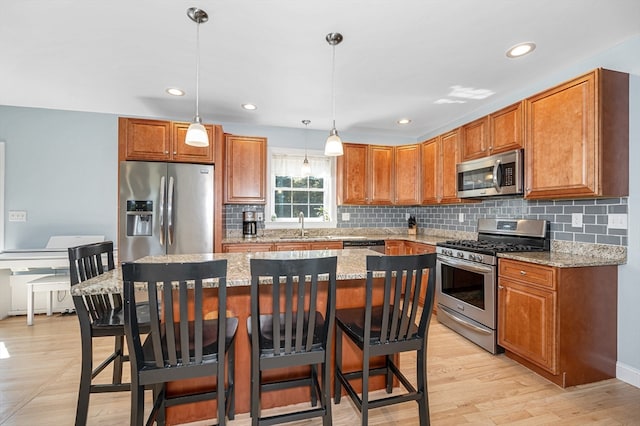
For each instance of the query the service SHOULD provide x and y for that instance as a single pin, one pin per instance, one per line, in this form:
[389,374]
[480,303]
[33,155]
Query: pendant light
[306,168]
[333,146]
[197,134]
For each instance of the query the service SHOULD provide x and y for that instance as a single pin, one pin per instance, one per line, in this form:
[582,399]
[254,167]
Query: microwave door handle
[161,209]
[496,182]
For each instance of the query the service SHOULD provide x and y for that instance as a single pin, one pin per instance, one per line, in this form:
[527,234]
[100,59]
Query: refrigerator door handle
[170,210]
[161,209]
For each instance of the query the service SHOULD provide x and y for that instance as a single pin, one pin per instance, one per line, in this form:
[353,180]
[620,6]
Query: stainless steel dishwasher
[375,245]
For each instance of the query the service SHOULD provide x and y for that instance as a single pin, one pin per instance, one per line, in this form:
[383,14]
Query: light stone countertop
[424,239]
[351,265]
[560,259]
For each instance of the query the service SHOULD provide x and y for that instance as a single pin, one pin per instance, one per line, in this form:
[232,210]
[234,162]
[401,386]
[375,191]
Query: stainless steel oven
[467,299]
[467,278]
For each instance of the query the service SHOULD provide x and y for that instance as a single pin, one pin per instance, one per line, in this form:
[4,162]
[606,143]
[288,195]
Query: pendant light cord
[198,72]
[333,86]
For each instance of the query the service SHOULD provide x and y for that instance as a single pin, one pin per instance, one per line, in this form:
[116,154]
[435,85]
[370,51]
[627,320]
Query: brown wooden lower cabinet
[559,322]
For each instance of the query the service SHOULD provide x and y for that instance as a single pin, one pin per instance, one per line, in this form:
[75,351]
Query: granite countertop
[561,259]
[351,265]
[424,239]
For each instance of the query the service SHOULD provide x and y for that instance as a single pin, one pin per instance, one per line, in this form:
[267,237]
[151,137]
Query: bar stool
[294,332]
[183,342]
[398,325]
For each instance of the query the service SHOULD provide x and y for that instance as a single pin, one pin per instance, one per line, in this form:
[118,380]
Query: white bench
[53,283]
[49,283]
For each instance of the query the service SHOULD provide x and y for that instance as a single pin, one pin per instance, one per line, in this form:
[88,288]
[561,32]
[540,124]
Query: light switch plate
[259,216]
[460,217]
[17,215]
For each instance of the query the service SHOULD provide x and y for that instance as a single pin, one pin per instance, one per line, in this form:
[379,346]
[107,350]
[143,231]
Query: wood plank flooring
[39,373]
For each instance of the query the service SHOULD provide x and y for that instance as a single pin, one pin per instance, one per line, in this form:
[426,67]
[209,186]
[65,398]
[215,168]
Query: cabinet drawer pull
[523,272]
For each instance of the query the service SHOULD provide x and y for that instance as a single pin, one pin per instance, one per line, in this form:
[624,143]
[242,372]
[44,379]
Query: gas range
[498,236]
[467,278]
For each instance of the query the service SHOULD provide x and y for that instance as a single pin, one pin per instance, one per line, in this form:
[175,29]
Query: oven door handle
[464,323]
[467,266]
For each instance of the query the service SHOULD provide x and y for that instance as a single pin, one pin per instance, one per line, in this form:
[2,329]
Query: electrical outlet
[259,216]
[17,216]
[346,217]
[460,217]
[406,216]
[617,221]
[576,220]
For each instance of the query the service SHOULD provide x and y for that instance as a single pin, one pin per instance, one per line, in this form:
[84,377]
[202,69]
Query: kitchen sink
[295,237]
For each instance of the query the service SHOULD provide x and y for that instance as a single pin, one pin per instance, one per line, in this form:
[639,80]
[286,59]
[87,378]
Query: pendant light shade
[306,167]
[197,134]
[333,146]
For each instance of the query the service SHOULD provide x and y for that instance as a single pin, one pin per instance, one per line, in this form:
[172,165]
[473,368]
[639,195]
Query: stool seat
[48,283]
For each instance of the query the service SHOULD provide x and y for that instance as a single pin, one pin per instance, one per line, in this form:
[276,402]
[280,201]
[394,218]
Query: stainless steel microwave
[500,174]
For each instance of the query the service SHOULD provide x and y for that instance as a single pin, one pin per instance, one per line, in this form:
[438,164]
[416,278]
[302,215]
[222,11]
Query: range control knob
[460,254]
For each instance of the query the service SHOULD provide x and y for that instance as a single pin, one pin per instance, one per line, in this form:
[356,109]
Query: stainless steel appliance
[500,174]
[467,278]
[249,224]
[357,243]
[164,208]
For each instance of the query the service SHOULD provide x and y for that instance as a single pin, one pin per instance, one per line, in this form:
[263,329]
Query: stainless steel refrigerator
[164,208]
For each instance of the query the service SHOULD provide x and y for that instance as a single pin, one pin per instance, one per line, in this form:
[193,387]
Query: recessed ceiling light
[174,91]
[404,121]
[249,107]
[521,49]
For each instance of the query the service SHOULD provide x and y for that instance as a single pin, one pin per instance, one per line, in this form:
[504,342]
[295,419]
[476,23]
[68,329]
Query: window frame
[330,192]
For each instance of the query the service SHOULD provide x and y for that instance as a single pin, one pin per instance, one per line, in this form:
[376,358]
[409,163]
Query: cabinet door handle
[523,272]
[500,287]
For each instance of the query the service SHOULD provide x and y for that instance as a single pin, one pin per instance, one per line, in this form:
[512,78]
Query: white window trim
[309,223]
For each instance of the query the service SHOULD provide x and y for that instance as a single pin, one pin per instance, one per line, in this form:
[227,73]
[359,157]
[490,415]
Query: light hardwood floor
[39,384]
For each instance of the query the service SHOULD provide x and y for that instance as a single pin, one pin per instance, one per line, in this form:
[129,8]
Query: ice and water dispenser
[139,218]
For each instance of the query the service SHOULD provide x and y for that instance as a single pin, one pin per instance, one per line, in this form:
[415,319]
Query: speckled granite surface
[566,254]
[351,265]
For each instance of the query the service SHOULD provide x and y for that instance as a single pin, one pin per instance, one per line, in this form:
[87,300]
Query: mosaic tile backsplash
[447,217]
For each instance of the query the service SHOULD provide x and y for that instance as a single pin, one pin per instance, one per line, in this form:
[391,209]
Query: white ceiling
[397,58]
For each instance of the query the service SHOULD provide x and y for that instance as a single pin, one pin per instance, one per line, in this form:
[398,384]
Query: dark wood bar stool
[398,325]
[99,315]
[184,342]
[296,331]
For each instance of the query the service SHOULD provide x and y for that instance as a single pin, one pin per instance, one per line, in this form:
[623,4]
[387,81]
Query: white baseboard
[628,374]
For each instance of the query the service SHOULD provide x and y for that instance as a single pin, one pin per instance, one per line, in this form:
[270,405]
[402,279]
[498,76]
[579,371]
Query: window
[291,193]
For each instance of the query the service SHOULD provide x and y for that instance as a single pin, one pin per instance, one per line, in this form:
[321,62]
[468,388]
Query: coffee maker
[249,224]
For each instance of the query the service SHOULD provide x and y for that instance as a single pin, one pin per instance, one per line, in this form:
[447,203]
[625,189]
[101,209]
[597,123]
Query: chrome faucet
[301,221]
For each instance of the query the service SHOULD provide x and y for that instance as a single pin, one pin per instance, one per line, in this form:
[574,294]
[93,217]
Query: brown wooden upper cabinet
[430,165]
[438,162]
[245,169]
[407,176]
[577,138]
[159,140]
[366,174]
[505,129]
[474,138]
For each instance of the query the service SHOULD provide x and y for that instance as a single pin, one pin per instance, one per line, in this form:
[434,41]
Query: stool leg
[29,304]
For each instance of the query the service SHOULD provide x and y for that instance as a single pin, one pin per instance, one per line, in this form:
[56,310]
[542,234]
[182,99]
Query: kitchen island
[351,273]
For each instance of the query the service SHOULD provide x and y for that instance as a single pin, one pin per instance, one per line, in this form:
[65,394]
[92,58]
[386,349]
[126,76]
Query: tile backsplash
[594,229]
